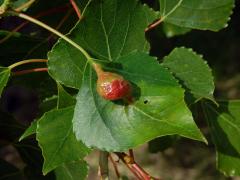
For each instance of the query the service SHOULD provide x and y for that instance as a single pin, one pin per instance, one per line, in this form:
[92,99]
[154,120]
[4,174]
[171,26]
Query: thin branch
[51,35]
[4,6]
[131,154]
[45,13]
[103,165]
[76,9]
[27,62]
[45,26]
[10,34]
[129,167]
[139,172]
[30,71]
[114,166]
[153,25]
[25,5]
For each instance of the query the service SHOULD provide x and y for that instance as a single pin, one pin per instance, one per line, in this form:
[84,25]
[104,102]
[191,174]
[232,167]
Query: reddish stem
[51,35]
[62,8]
[45,13]
[76,9]
[114,166]
[153,25]
[30,71]
[12,32]
[139,172]
[131,153]
[61,22]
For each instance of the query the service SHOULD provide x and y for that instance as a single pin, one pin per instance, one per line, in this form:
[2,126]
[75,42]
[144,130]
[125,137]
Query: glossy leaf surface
[158,109]
[224,123]
[192,71]
[109,30]
[201,14]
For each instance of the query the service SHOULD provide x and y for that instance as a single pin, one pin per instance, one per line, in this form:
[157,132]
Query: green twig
[45,26]
[26,62]
[25,5]
[103,165]
[5,5]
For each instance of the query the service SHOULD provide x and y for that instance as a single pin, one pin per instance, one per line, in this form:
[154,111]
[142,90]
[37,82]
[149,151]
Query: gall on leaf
[112,86]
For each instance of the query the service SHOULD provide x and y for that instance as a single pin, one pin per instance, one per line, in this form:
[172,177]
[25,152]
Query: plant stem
[26,62]
[25,5]
[76,9]
[114,166]
[153,25]
[5,5]
[139,172]
[10,34]
[30,71]
[45,26]
[103,165]
[45,13]
[51,35]
[131,153]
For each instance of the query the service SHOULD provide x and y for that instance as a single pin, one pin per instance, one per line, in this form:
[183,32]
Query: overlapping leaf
[47,105]
[172,30]
[29,131]
[56,139]
[64,99]
[77,170]
[224,123]
[201,14]
[108,30]
[15,3]
[4,75]
[159,108]
[192,70]
[55,134]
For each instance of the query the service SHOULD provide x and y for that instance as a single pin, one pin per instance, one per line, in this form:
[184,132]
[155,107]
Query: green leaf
[201,14]
[159,108]
[30,130]
[109,30]
[57,141]
[64,99]
[224,123]
[172,30]
[4,76]
[5,33]
[15,3]
[48,104]
[19,3]
[192,71]
[72,171]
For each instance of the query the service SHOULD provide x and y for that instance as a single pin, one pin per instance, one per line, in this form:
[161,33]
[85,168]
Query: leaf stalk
[26,62]
[138,171]
[45,26]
